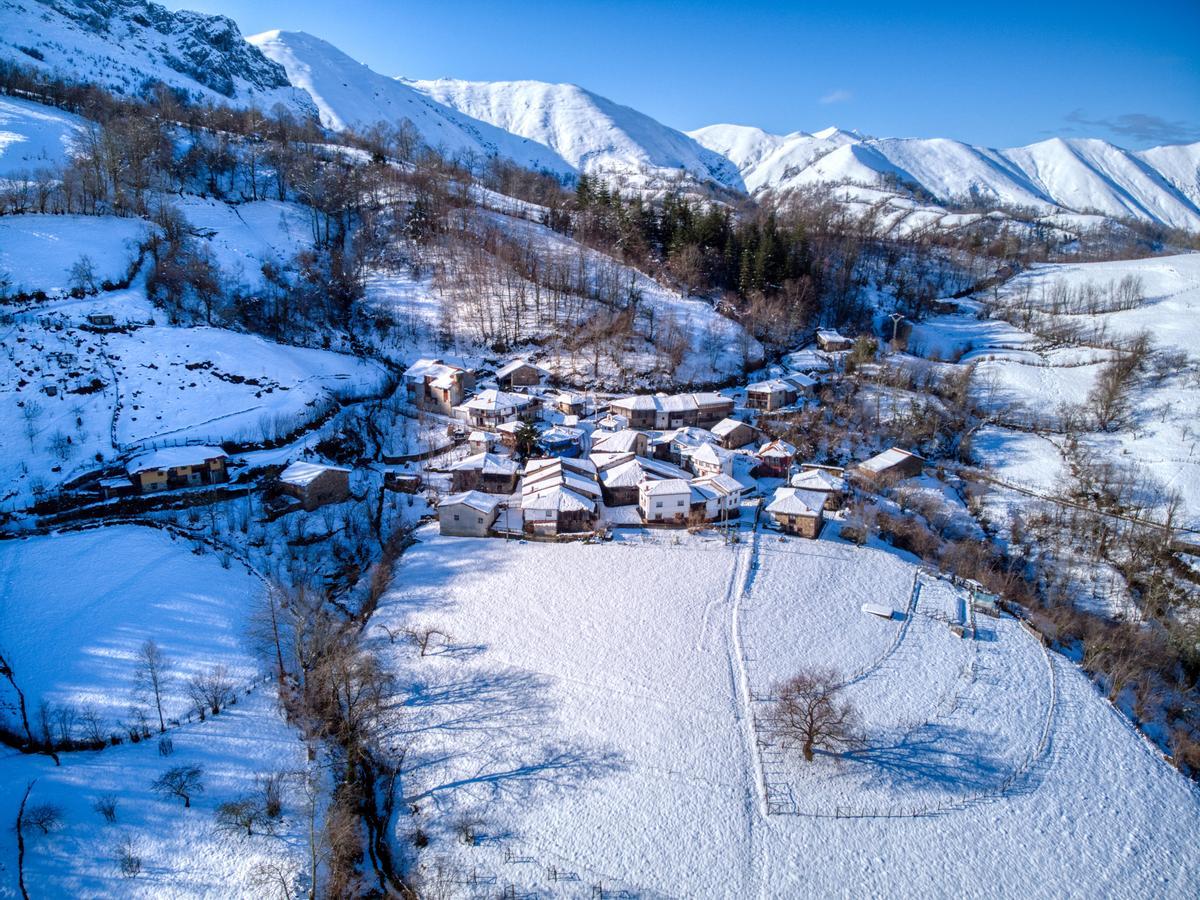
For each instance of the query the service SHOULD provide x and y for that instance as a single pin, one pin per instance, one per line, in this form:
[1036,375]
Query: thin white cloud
[841,95]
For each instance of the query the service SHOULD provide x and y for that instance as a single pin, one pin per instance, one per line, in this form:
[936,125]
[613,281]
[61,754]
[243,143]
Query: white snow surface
[37,252]
[592,133]
[595,712]
[1082,175]
[96,596]
[34,138]
[350,95]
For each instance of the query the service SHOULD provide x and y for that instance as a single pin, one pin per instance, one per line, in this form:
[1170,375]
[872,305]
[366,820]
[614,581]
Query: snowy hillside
[587,729]
[590,132]
[125,45]
[34,137]
[348,94]
[1077,175]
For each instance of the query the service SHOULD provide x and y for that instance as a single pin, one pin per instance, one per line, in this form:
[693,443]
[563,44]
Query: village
[521,457]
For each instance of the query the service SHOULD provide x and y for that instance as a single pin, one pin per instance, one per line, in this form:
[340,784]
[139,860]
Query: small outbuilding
[520,373]
[829,339]
[468,514]
[890,465]
[315,484]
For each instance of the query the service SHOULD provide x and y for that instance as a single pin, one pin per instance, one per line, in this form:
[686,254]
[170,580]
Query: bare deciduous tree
[183,782]
[151,677]
[210,691]
[808,714]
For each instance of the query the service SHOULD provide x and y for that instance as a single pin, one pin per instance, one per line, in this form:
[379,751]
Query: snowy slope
[348,94]
[124,45]
[1160,185]
[606,707]
[34,137]
[592,133]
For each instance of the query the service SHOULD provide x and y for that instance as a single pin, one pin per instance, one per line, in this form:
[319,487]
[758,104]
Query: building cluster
[549,463]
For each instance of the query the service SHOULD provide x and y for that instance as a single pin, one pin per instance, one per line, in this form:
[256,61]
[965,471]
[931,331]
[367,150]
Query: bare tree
[106,806]
[43,816]
[242,814]
[808,715]
[183,782]
[20,829]
[210,691]
[151,677]
[423,636]
[129,860]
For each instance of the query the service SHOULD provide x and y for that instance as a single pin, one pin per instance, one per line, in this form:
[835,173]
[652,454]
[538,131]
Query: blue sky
[995,74]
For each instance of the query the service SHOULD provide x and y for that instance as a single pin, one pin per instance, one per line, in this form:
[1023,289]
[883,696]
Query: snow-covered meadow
[592,714]
[78,605]
[1020,377]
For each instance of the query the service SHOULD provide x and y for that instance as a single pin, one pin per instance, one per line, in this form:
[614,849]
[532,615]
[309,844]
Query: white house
[469,514]
[721,496]
[668,500]
[491,408]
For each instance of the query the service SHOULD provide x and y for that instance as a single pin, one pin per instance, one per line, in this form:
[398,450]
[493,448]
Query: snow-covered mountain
[592,133]
[1079,175]
[349,94]
[127,45]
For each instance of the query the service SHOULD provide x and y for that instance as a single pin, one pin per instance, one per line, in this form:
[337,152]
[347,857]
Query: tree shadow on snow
[935,756]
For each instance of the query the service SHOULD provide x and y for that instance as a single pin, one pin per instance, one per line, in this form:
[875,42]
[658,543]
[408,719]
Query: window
[679,503]
[658,504]
[480,520]
[456,517]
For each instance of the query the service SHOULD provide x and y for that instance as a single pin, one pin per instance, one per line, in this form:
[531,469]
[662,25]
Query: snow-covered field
[38,252]
[77,606]
[1023,378]
[593,713]
[74,609]
[34,138]
[182,853]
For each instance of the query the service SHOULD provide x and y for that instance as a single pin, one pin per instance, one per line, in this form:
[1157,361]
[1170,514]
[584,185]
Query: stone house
[315,484]
[173,467]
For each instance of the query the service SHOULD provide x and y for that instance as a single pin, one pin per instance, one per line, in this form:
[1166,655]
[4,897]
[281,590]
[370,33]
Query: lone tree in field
[182,782]
[808,715]
[151,676]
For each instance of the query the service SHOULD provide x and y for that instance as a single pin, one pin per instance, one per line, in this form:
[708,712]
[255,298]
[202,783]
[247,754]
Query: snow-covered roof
[559,498]
[617,441]
[492,400]
[809,360]
[777,447]
[727,426]
[487,463]
[628,473]
[512,427]
[691,436]
[173,457]
[719,484]
[669,403]
[831,334]
[613,422]
[431,368]
[478,437]
[476,500]
[562,433]
[789,501]
[770,386]
[710,453]
[516,364]
[881,462]
[818,480]
[799,380]
[665,486]
[304,473]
